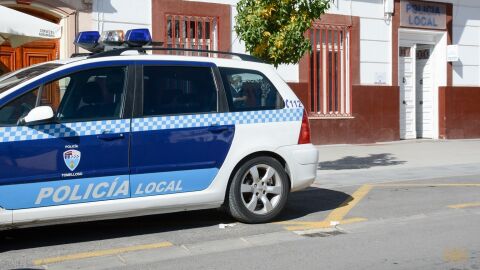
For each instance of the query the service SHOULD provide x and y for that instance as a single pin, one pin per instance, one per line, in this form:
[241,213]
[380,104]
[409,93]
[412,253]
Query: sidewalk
[341,165]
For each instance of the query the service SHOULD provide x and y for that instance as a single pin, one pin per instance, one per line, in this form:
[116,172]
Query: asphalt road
[416,224]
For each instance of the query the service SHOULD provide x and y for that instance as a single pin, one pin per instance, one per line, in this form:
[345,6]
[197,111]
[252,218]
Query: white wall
[121,14]
[375,38]
[466,33]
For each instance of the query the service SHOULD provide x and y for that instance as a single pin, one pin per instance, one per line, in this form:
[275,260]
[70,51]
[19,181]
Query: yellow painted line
[339,213]
[310,225]
[336,216]
[307,225]
[100,253]
[352,220]
[429,185]
[464,205]
[456,255]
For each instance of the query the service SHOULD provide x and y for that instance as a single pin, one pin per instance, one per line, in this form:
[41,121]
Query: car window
[15,78]
[11,113]
[171,90]
[249,90]
[94,94]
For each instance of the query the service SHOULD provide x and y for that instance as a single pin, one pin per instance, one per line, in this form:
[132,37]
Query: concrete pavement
[341,165]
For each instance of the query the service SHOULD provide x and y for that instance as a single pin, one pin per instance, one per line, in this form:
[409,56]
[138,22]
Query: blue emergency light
[88,40]
[138,37]
[93,42]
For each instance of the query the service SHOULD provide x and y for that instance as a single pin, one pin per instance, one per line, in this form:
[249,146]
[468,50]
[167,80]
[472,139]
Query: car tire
[258,191]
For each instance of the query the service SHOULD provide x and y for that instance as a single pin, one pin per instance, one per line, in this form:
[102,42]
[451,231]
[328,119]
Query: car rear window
[15,78]
[250,90]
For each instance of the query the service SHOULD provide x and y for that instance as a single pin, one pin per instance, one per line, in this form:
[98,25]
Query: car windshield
[15,78]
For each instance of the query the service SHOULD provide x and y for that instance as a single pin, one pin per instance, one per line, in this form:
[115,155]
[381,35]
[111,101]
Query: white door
[406,76]
[424,92]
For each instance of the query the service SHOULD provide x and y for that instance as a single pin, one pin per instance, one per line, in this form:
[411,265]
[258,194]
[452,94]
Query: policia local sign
[423,15]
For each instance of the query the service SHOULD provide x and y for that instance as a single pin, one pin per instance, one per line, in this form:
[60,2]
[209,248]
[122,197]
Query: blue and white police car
[126,132]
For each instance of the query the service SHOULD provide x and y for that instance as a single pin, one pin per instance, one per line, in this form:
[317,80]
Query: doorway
[423,92]
[32,53]
[420,73]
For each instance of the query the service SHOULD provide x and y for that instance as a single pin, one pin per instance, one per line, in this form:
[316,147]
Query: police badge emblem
[72,159]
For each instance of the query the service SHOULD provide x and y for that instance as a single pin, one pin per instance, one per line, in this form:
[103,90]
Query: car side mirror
[38,115]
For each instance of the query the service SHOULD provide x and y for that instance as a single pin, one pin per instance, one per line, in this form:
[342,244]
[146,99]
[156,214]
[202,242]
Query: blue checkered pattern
[203,120]
[49,131]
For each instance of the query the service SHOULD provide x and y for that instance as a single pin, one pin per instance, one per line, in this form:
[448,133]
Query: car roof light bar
[115,42]
[118,52]
[88,40]
[112,38]
[138,37]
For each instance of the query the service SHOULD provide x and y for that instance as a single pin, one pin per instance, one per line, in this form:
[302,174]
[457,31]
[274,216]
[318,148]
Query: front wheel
[258,191]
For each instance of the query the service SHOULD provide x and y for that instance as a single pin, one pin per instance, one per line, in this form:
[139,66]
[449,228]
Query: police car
[127,132]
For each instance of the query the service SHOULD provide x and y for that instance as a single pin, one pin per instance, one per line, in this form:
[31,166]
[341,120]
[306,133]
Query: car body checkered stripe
[50,131]
[203,120]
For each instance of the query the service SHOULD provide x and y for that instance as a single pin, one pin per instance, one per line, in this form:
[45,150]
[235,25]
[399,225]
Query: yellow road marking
[339,213]
[464,205]
[100,253]
[352,220]
[309,225]
[455,255]
[336,216]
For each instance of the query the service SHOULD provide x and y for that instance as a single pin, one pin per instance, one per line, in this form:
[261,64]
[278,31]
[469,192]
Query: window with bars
[329,82]
[191,32]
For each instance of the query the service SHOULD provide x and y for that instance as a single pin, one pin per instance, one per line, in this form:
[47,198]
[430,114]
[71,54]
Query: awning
[19,28]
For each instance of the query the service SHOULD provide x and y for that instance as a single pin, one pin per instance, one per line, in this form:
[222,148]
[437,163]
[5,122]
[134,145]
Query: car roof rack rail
[80,55]
[119,51]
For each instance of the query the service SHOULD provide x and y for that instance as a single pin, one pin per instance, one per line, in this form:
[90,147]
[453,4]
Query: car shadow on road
[310,201]
[18,239]
[352,162]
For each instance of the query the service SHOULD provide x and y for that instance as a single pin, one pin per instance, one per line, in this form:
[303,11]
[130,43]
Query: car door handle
[110,136]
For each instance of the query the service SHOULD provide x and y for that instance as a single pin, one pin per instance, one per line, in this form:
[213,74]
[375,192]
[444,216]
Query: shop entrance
[420,73]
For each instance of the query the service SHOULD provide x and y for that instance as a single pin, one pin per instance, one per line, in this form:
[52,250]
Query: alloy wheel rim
[261,189]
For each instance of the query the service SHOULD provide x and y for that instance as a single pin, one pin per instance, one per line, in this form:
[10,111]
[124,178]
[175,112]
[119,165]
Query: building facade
[379,70]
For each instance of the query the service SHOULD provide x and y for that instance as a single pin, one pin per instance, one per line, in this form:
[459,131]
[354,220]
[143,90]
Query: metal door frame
[438,40]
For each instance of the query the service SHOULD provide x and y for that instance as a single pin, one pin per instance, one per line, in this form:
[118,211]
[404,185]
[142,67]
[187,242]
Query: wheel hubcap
[261,189]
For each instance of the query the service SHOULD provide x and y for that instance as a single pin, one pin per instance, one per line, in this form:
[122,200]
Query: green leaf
[273,30]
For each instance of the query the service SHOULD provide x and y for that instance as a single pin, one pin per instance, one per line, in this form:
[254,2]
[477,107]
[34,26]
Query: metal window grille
[329,80]
[191,32]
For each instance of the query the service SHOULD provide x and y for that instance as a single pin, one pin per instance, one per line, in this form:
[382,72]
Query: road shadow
[300,204]
[352,162]
[18,239]
[312,200]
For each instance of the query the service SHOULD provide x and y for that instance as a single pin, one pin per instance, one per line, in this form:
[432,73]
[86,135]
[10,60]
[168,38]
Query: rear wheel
[258,191]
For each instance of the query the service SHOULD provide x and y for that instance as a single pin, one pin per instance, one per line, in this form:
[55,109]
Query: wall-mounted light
[388,8]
